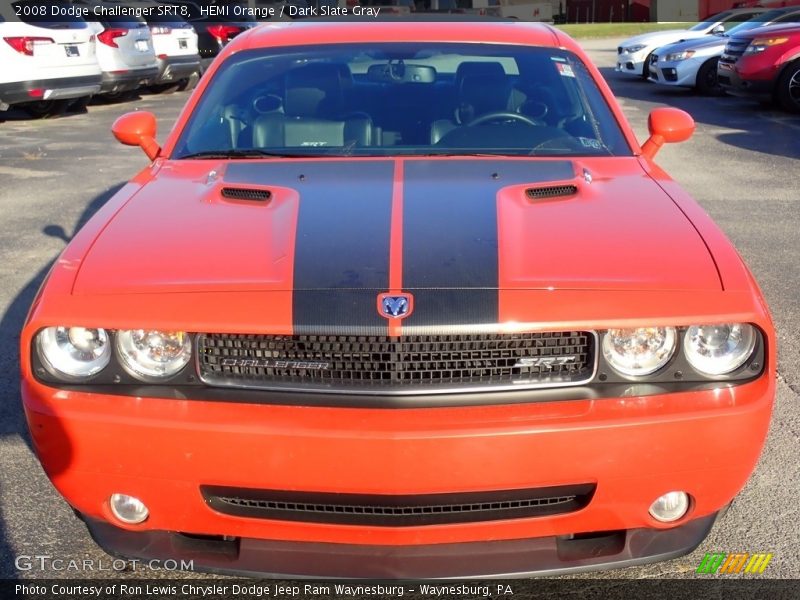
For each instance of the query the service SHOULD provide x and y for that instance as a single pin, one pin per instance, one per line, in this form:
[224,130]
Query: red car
[400,300]
[764,63]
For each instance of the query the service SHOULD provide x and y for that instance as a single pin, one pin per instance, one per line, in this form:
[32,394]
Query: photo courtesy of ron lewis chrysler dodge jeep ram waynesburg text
[400,300]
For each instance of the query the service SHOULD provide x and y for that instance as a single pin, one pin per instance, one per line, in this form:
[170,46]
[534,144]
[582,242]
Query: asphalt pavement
[741,165]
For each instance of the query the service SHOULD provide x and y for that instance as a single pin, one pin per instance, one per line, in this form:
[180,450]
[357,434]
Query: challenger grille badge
[395,306]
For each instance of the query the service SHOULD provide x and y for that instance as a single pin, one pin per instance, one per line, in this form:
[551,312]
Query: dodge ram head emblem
[395,306]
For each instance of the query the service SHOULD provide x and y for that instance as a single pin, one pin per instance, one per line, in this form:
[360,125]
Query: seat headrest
[316,90]
[475,68]
[482,88]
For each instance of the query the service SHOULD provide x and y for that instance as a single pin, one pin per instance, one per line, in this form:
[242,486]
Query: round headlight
[74,352]
[150,354]
[719,349]
[640,351]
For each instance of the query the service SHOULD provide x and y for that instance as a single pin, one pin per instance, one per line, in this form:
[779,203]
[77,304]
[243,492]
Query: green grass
[603,30]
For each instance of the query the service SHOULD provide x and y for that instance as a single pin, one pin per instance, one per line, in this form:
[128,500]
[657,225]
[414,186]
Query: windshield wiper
[251,153]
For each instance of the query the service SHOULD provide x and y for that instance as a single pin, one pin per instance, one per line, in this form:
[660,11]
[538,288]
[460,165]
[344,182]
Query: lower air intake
[398,511]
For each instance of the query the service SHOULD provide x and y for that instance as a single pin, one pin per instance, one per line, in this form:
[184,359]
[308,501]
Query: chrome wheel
[794,88]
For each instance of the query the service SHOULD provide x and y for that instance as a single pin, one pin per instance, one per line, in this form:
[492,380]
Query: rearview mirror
[399,72]
[667,126]
[138,129]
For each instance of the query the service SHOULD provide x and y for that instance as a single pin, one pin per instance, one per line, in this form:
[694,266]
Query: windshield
[703,25]
[402,99]
[758,21]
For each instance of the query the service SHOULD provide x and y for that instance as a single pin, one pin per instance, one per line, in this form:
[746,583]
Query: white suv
[125,52]
[175,43]
[44,61]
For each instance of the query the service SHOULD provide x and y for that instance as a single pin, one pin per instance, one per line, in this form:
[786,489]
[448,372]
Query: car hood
[709,42]
[662,38]
[376,224]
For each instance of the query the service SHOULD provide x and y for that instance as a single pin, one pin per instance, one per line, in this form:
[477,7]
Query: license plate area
[141,45]
[183,44]
[71,50]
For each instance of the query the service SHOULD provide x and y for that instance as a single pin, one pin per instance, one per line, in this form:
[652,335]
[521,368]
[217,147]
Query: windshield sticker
[565,70]
[591,143]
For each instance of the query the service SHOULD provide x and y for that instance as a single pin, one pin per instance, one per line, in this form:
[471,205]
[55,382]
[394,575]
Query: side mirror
[667,126]
[138,129]
[718,29]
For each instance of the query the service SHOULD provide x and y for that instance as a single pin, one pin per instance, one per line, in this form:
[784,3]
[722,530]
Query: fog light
[128,509]
[670,507]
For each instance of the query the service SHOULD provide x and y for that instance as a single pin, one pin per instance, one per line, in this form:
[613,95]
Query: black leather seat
[481,88]
[314,112]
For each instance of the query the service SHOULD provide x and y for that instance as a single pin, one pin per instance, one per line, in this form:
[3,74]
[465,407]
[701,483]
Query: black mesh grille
[553,191]
[374,364]
[357,509]
[246,194]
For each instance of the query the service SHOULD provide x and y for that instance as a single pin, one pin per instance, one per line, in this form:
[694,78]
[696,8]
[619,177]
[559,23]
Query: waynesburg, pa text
[276,590]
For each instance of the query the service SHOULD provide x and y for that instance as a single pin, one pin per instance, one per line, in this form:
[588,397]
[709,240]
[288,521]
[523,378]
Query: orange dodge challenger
[400,299]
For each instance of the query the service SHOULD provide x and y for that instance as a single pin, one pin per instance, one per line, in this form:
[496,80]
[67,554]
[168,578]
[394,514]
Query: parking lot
[741,165]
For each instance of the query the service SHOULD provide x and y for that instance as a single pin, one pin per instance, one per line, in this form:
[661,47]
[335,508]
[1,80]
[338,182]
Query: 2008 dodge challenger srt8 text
[400,299]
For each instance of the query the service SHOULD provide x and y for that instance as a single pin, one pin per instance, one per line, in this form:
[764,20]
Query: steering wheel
[503,116]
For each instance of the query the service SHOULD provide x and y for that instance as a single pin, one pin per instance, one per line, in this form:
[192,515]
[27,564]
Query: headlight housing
[151,354]
[74,352]
[759,45]
[719,349]
[640,351]
[675,56]
[635,48]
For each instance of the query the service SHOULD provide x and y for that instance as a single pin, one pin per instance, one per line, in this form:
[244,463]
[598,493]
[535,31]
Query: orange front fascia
[634,448]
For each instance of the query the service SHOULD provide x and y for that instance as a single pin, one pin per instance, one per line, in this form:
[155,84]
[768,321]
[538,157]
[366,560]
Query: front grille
[397,511]
[553,191]
[733,50]
[406,364]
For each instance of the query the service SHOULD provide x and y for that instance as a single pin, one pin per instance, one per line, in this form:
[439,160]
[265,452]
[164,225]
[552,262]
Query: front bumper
[553,555]
[632,64]
[634,448]
[127,80]
[677,73]
[175,68]
[732,82]
[18,92]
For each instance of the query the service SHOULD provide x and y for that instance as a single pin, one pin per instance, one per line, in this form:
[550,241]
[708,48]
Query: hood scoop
[551,191]
[246,193]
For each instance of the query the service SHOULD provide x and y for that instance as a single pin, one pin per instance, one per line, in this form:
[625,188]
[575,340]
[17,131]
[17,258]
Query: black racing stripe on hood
[450,234]
[342,238]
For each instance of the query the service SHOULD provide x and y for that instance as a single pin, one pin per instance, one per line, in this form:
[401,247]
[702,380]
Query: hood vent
[553,191]
[252,194]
